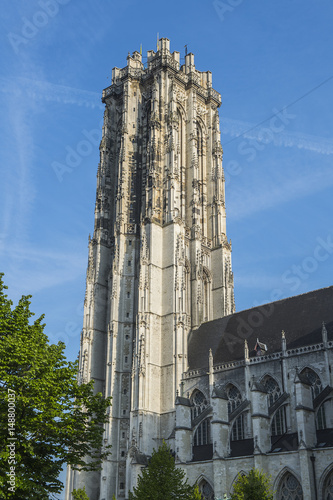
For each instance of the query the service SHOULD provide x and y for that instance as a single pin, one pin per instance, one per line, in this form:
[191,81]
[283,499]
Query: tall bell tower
[159,259]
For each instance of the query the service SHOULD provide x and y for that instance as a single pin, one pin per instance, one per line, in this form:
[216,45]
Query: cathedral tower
[159,259]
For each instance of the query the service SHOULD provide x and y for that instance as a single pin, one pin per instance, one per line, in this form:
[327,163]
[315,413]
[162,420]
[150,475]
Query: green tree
[253,486]
[161,480]
[46,418]
[80,494]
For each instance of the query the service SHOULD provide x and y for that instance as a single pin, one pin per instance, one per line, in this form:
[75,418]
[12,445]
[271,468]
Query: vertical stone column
[260,418]
[183,430]
[305,414]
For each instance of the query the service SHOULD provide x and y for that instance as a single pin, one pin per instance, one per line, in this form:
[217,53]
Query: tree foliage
[80,494]
[161,480]
[253,486]
[55,420]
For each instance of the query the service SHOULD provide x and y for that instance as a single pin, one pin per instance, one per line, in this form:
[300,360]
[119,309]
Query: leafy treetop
[162,480]
[57,421]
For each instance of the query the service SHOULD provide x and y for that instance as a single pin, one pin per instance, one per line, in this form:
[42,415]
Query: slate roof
[301,318]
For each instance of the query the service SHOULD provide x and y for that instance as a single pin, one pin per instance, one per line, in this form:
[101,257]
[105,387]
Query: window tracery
[290,488]
[206,491]
[202,434]
[316,388]
[328,487]
[199,403]
[273,390]
[234,400]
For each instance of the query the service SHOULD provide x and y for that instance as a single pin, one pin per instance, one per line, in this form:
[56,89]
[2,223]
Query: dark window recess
[241,448]
[129,263]
[204,452]
[121,486]
[286,442]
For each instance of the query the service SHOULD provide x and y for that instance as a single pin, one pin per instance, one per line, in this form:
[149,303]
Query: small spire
[283,341]
[246,350]
[210,359]
[324,332]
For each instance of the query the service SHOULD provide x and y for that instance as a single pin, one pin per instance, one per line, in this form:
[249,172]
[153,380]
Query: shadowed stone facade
[227,391]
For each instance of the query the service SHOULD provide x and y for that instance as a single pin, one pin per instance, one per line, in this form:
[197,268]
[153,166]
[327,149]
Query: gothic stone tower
[159,260]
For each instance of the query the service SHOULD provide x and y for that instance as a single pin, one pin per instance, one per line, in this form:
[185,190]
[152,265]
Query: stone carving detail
[180,95]
[142,367]
[201,110]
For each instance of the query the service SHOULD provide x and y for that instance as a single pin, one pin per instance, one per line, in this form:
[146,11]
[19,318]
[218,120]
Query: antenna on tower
[158,41]
[185,49]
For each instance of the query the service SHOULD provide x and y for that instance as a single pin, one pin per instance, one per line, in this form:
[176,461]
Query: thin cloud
[266,194]
[43,90]
[235,128]
[19,201]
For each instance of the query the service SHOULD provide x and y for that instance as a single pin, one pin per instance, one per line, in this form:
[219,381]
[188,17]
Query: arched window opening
[328,487]
[199,403]
[234,398]
[237,431]
[314,380]
[202,434]
[273,390]
[206,491]
[321,418]
[290,488]
[316,388]
[278,426]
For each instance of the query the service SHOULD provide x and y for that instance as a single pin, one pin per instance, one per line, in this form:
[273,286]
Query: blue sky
[272,63]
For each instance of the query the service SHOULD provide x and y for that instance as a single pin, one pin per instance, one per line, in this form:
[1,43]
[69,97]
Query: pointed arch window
[202,434]
[328,487]
[199,403]
[234,400]
[272,388]
[206,491]
[321,418]
[314,380]
[238,431]
[290,488]
[278,425]
[316,388]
